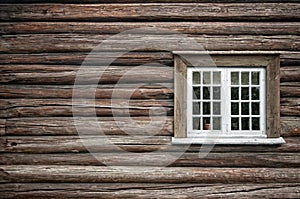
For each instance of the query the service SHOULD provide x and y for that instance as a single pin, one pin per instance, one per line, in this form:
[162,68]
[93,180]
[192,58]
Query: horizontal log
[290,74]
[33,173]
[213,28]
[272,160]
[52,43]
[290,59]
[109,126]
[90,75]
[134,91]
[290,89]
[290,126]
[148,190]
[150,12]
[128,59]
[74,144]
[290,106]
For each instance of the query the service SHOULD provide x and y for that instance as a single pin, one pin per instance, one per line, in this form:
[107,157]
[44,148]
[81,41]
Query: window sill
[234,141]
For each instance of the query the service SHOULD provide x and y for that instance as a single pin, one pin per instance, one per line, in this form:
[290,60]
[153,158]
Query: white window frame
[225,104]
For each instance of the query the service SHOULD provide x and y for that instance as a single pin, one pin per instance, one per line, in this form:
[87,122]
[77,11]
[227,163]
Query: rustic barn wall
[42,45]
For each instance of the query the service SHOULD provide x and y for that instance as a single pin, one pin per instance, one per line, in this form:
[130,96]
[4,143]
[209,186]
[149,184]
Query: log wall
[42,46]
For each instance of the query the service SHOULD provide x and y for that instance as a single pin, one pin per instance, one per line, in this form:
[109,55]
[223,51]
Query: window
[236,102]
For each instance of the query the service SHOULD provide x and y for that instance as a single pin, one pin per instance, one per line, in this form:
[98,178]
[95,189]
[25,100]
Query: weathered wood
[21,173]
[109,126]
[70,144]
[290,106]
[90,75]
[290,126]
[148,190]
[214,28]
[135,91]
[290,74]
[51,43]
[273,160]
[83,107]
[2,126]
[150,12]
[290,89]
[128,59]
[290,59]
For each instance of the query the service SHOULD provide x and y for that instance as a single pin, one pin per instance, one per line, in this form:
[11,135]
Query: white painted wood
[233,141]
[229,52]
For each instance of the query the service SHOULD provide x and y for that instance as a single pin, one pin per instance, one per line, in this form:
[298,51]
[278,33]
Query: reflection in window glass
[206,78]
[216,123]
[245,123]
[245,78]
[217,77]
[196,123]
[234,108]
[196,92]
[234,93]
[245,93]
[235,123]
[196,78]
[206,93]
[196,108]
[255,93]
[235,78]
[206,108]
[255,78]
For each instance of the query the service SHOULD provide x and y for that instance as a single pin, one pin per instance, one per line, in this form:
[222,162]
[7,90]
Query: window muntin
[226,102]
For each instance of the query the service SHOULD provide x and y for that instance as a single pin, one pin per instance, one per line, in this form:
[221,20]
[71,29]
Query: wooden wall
[43,45]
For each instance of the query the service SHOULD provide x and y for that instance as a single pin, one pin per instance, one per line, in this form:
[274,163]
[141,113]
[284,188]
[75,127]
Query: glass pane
[245,93]
[216,123]
[206,123]
[216,92]
[234,108]
[196,108]
[234,78]
[206,78]
[196,123]
[245,108]
[255,123]
[255,93]
[217,108]
[255,108]
[206,93]
[196,78]
[255,78]
[196,93]
[245,123]
[235,123]
[206,108]
[245,78]
[217,77]
[234,93]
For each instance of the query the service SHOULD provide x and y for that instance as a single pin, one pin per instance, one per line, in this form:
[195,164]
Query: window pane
[245,93]
[245,123]
[196,108]
[255,78]
[245,78]
[234,78]
[255,93]
[217,77]
[235,123]
[196,78]
[216,92]
[196,93]
[216,123]
[234,108]
[255,108]
[234,93]
[206,93]
[196,123]
[255,123]
[206,78]
[245,108]
[217,108]
[206,123]
[206,108]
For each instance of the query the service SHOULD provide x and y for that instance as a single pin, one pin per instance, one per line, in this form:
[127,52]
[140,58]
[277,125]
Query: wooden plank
[73,144]
[128,59]
[272,160]
[290,74]
[46,173]
[213,28]
[148,190]
[290,126]
[51,43]
[109,126]
[150,12]
[83,107]
[290,106]
[290,89]
[89,75]
[273,98]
